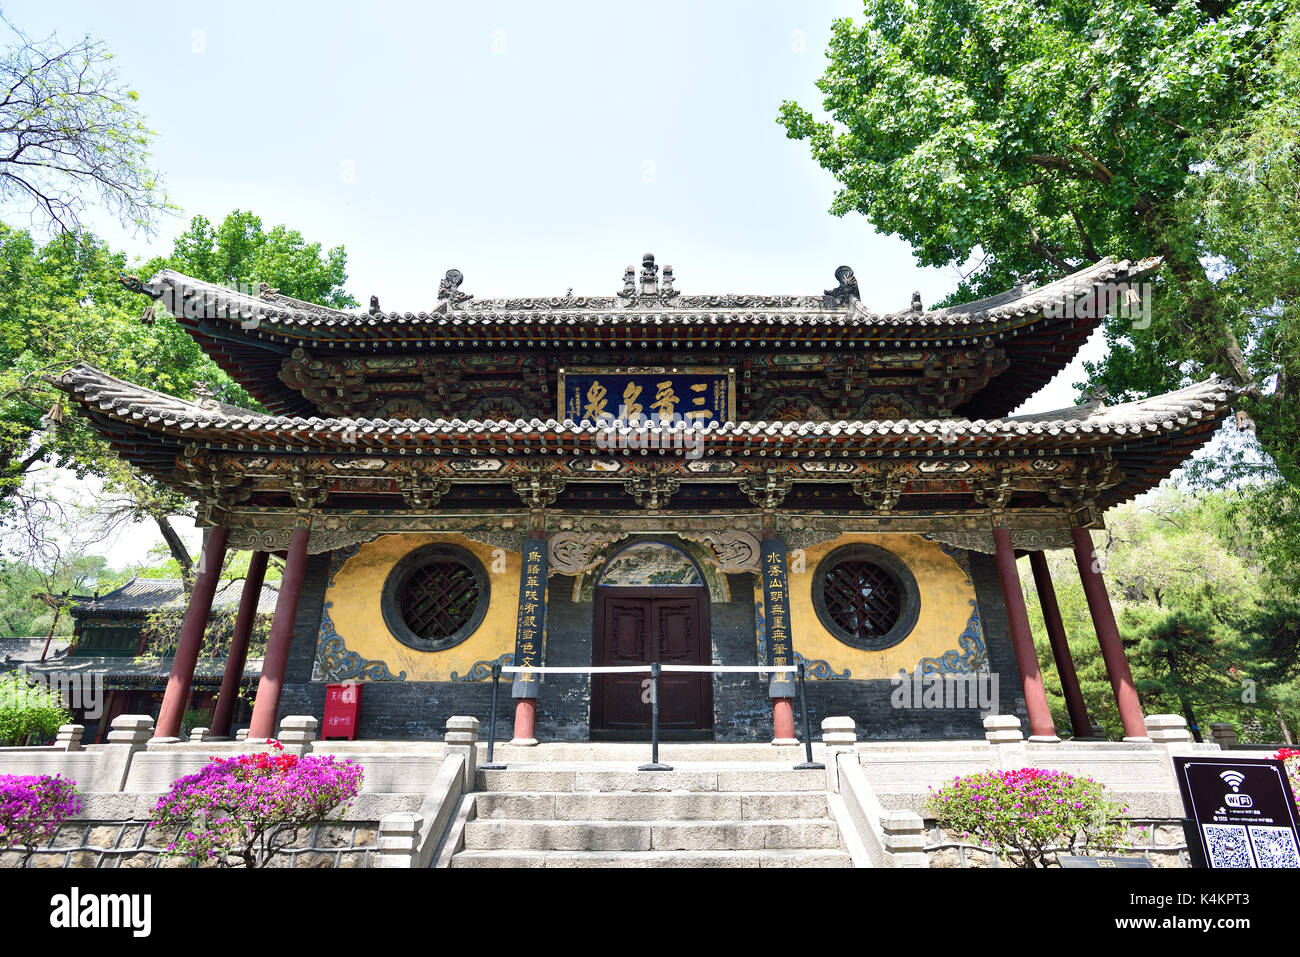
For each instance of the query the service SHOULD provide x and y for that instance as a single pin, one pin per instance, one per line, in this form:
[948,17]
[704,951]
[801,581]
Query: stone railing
[121,781]
[412,839]
[881,788]
[875,837]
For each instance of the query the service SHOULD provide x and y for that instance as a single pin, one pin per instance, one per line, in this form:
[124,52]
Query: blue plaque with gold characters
[696,396]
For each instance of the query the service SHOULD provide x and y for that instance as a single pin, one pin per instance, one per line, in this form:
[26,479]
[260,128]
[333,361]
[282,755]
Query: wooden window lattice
[438,599]
[863,598]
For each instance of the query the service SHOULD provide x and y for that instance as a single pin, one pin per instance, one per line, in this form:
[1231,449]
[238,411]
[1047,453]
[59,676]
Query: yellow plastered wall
[946,608]
[354,598]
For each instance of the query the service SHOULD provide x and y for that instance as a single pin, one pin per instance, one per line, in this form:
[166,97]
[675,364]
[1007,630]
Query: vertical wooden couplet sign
[776,602]
[531,623]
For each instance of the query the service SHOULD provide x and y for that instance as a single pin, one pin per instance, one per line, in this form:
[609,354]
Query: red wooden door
[640,625]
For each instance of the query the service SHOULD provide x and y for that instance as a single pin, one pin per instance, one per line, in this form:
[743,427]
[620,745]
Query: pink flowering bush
[1291,758]
[245,809]
[32,807]
[1029,815]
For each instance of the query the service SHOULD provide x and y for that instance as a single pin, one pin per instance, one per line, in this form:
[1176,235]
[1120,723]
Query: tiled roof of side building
[144,595]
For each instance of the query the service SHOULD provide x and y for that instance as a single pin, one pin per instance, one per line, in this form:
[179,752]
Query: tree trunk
[179,552]
[1281,723]
[50,637]
[1188,713]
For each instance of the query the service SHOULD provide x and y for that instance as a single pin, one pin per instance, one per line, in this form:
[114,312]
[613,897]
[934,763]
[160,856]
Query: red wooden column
[1112,648]
[196,622]
[1060,646]
[1022,640]
[238,653]
[267,704]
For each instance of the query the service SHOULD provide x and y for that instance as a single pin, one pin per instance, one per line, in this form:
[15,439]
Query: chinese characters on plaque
[693,396]
[531,623]
[776,600]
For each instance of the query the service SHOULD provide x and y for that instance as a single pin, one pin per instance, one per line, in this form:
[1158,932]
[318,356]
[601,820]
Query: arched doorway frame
[634,624]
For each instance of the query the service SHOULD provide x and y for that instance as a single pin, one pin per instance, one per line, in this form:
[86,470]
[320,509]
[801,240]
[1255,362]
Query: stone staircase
[607,815]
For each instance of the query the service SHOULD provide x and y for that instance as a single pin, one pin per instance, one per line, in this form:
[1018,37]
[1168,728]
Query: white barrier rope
[643,669]
[566,670]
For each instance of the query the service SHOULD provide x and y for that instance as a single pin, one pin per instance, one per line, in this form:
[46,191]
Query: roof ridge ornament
[205,398]
[847,290]
[652,289]
[449,294]
[1095,396]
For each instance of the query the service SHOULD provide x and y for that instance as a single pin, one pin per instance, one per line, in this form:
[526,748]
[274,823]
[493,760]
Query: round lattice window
[866,597]
[435,597]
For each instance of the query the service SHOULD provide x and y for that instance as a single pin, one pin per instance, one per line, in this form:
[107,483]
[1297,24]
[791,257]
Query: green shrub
[28,711]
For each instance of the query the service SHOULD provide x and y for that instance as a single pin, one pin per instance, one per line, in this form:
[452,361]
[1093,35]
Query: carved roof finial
[649,275]
[204,397]
[1095,395]
[845,292]
[449,288]
[629,283]
[666,289]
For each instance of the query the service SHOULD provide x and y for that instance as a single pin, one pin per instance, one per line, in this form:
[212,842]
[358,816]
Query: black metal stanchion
[492,721]
[810,764]
[654,764]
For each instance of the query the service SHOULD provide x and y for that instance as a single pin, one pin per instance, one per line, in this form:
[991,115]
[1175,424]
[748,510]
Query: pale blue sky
[534,146]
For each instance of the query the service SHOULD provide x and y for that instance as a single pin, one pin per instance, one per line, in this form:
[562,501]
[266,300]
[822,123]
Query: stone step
[638,752]
[502,834]
[750,858]
[650,806]
[562,778]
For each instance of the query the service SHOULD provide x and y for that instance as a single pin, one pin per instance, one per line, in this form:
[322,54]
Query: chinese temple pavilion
[651,476]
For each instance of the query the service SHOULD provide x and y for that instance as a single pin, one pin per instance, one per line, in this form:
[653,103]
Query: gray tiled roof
[155,594]
[1089,424]
[684,310]
[206,670]
[26,651]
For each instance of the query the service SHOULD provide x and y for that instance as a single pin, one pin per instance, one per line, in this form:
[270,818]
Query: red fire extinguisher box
[342,711]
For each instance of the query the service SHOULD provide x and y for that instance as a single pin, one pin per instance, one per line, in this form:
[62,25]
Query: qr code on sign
[1274,847]
[1227,845]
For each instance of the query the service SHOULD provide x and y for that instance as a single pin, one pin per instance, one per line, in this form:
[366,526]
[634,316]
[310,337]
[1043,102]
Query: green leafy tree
[1243,208]
[61,303]
[1036,136]
[71,135]
[1209,624]
[240,252]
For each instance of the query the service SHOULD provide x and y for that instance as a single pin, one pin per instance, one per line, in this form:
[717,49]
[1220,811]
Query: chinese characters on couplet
[776,598]
[531,623]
